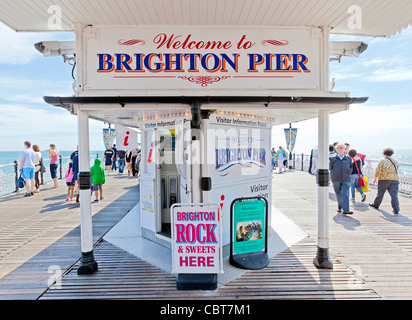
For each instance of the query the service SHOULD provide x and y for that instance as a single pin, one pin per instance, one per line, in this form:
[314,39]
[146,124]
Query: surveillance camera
[56,48]
[347,48]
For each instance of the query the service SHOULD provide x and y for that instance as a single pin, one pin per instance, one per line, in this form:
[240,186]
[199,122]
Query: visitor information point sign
[248,241]
[196,238]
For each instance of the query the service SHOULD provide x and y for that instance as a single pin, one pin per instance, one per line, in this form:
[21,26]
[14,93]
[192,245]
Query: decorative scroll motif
[204,81]
[275,42]
[130,42]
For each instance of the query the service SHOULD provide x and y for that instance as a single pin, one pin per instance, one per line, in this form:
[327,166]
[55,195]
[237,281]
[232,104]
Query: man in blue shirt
[27,168]
[340,170]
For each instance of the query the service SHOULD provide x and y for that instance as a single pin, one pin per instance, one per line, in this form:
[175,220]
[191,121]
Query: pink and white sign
[196,238]
[199,59]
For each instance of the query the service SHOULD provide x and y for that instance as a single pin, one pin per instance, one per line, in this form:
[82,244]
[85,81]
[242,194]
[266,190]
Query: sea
[7,169]
[403,156]
[8,157]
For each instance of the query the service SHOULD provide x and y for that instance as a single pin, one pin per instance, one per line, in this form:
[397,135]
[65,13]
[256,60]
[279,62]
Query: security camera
[56,48]
[346,48]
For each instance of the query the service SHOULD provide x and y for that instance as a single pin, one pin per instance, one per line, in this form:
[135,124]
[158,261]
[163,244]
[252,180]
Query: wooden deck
[371,252]
[40,235]
[290,275]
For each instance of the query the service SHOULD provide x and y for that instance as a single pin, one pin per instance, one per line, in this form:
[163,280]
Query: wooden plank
[132,278]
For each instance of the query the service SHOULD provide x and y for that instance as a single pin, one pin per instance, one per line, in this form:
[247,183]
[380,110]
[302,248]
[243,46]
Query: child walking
[69,182]
[98,179]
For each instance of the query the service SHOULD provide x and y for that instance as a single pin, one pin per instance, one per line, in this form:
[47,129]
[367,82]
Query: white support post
[322,259]
[196,281]
[88,264]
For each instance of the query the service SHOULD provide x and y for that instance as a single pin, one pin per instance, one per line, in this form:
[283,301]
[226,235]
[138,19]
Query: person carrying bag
[357,180]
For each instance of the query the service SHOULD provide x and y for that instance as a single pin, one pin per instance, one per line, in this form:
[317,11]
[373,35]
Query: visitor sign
[196,238]
[249,233]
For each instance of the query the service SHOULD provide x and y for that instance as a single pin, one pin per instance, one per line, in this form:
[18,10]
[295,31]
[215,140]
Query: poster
[196,238]
[239,153]
[290,135]
[249,225]
[108,137]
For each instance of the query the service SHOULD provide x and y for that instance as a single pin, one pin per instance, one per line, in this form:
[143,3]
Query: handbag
[364,188]
[361,179]
[20,182]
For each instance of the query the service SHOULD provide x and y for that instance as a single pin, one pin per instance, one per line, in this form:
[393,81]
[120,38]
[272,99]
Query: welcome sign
[201,59]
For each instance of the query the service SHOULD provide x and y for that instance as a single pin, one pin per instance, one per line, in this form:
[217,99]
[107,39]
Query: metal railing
[9,174]
[302,162]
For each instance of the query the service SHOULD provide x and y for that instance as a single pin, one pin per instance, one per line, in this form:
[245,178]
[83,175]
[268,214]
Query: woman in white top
[37,167]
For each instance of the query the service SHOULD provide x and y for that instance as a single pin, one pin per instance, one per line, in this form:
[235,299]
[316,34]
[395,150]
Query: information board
[196,238]
[249,233]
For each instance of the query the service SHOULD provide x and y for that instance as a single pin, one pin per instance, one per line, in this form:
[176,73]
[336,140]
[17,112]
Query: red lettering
[180,233]
[201,262]
[210,262]
[194,261]
[210,233]
[162,40]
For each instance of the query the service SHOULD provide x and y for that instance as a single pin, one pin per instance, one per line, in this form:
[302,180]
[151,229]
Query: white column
[322,259]
[88,264]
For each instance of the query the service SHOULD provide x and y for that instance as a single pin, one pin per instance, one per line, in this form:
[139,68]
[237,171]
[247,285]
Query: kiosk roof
[379,18]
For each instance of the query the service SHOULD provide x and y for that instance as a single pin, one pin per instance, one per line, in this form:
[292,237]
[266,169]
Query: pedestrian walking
[27,168]
[129,161]
[121,156]
[356,173]
[108,158]
[69,182]
[53,156]
[98,179]
[386,174]
[340,169]
[347,147]
[281,155]
[114,163]
[37,166]
[332,152]
[75,167]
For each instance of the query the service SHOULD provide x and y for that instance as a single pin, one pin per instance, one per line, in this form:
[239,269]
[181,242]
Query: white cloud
[365,127]
[43,126]
[390,75]
[23,90]
[18,48]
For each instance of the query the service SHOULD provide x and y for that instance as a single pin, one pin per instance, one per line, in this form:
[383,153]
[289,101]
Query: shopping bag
[365,188]
[361,181]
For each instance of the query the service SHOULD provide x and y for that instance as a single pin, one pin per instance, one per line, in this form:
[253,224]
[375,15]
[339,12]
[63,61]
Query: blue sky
[383,73]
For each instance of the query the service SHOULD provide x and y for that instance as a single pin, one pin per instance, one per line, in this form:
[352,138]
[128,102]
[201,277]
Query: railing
[9,174]
[302,162]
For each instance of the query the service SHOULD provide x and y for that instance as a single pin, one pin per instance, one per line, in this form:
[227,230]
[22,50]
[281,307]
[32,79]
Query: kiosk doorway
[168,178]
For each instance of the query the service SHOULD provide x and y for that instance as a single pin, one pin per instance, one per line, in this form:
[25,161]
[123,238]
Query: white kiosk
[205,100]
[198,67]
